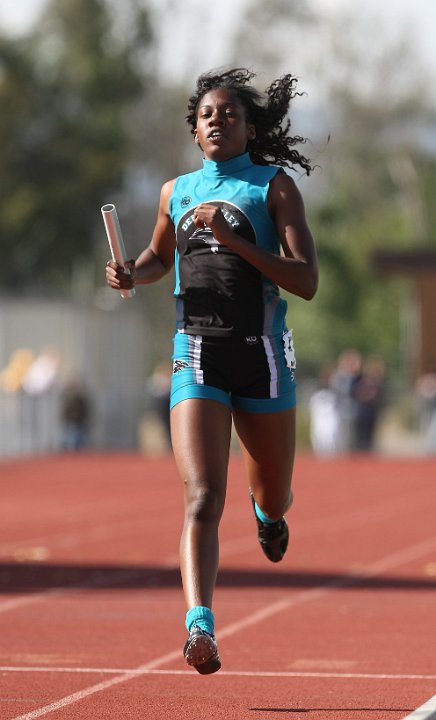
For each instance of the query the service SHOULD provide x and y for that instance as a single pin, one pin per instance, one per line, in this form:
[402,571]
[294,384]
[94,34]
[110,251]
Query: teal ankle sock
[201,616]
[261,515]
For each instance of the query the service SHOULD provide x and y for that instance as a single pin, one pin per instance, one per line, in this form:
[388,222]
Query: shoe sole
[202,654]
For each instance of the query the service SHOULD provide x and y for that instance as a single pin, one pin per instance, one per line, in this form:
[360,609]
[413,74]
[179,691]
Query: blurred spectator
[324,416]
[368,393]
[426,395]
[344,380]
[76,414]
[12,376]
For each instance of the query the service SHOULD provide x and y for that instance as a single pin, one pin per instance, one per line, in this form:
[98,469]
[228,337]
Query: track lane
[382,524]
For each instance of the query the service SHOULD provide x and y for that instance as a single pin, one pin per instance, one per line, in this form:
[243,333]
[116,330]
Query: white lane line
[18,602]
[333,523]
[87,534]
[387,563]
[123,677]
[227,673]
[402,556]
[425,712]
[348,580]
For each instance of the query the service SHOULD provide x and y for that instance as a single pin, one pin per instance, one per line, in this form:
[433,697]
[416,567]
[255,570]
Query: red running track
[92,613]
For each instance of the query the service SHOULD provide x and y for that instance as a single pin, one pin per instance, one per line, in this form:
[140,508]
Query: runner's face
[222,129]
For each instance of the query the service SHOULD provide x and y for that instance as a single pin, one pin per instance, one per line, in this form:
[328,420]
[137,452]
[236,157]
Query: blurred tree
[375,189]
[87,118]
[64,91]
[375,179]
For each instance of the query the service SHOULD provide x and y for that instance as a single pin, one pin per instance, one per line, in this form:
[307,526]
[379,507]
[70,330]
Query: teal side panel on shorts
[186,391]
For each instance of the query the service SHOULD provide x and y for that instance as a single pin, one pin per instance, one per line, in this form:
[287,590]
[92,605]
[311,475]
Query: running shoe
[273,537]
[201,651]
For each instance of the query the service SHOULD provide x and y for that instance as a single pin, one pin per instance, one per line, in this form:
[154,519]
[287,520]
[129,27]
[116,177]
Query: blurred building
[108,347]
[420,266]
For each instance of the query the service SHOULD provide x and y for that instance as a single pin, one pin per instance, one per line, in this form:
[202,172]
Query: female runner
[236,231]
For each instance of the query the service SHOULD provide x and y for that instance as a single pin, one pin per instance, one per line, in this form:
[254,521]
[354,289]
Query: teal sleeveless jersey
[217,292]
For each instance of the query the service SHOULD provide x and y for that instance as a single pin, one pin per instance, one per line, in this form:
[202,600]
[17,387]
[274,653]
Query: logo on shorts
[179,365]
[251,339]
[185,201]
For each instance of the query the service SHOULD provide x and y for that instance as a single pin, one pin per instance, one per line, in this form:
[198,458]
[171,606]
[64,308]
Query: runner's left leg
[268,446]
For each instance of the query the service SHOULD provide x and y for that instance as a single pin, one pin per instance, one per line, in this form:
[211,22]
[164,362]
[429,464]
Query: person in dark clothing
[75,412]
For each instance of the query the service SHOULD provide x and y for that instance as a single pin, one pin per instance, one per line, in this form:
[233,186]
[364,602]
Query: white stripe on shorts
[198,372]
[273,378]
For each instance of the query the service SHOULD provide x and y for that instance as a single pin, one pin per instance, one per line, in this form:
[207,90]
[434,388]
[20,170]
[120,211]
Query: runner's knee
[204,505]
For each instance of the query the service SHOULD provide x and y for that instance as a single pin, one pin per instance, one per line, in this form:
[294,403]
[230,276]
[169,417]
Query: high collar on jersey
[227,167]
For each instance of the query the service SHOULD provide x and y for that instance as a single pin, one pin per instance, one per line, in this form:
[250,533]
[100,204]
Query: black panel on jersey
[221,292]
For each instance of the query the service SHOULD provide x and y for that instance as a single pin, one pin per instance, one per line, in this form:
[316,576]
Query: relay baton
[115,240]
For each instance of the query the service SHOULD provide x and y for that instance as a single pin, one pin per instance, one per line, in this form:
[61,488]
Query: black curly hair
[267,112]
